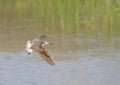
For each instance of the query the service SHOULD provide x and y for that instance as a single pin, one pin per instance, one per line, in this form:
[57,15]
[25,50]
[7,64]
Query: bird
[38,45]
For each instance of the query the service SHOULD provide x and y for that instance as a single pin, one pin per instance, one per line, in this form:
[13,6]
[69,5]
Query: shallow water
[79,61]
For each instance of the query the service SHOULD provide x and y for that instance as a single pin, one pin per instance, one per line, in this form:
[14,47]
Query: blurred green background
[92,17]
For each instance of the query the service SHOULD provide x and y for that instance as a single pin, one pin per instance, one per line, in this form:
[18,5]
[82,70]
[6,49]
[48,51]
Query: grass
[93,17]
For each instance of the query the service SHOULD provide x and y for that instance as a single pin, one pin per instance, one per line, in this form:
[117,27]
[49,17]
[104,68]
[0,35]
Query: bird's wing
[46,56]
[36,43]
[43,36]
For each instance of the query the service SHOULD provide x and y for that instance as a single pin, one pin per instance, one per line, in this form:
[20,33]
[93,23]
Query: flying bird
[37,45]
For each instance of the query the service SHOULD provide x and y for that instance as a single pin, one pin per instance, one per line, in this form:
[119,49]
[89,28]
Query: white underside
[28,47]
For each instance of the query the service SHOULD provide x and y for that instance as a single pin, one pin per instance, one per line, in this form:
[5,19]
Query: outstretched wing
[37,45]
[46,56]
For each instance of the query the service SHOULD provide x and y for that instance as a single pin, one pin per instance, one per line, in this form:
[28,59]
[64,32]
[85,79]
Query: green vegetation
[92,17]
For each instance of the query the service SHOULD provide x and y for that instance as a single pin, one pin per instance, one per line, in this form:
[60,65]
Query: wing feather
[46,56]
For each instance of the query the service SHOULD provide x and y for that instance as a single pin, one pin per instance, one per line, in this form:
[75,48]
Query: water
[79,61]
[85,41]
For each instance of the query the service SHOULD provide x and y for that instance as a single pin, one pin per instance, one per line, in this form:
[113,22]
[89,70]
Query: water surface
[79,61]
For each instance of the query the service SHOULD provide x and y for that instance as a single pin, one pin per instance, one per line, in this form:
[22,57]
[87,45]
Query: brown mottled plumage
[38,46]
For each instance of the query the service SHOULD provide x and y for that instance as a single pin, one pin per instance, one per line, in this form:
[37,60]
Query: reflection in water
[79,60]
